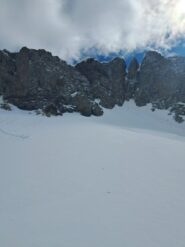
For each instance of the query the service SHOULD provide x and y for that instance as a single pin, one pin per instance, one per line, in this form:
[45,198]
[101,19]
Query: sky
[74,29]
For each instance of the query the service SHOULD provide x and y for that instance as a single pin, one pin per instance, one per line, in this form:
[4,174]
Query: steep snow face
[72,181]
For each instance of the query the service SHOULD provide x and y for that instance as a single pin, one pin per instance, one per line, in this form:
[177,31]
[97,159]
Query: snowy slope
[72,181]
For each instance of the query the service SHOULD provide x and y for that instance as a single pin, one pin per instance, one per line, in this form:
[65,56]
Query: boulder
[50,109]
[82,104]
[97,110]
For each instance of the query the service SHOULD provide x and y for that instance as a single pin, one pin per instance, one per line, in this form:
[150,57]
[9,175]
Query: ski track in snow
[13,134]
[117,180]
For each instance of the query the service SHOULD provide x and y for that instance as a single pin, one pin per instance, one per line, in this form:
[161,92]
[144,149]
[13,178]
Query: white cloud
[68,27]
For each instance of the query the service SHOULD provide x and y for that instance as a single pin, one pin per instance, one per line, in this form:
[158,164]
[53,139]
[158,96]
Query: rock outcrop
[34,79]
[107,80]
[161,80]
[7,71]
[132,78]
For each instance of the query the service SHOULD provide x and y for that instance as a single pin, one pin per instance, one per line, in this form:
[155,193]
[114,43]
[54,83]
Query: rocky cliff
[107,80]
[161,81]
[34,79]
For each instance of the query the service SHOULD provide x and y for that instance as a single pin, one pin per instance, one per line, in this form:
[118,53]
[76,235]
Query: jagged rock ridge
[162,82]
[34,79]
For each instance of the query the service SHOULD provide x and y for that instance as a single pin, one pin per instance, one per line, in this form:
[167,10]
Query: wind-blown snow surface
[72,181]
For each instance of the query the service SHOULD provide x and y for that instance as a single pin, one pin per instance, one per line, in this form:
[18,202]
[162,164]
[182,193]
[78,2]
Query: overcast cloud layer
[69,28]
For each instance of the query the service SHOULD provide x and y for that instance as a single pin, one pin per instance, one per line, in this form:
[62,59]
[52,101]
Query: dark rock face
[132,78]
[161,81]
[107,80]
[42,78]
[133,70]
[34,79]
[7,71]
